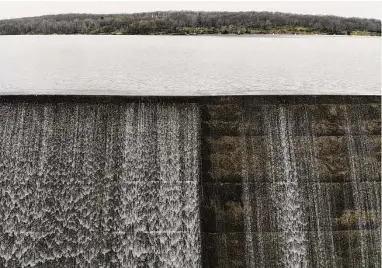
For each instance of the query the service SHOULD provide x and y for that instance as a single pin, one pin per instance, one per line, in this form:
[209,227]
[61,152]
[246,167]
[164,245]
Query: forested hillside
[189,22]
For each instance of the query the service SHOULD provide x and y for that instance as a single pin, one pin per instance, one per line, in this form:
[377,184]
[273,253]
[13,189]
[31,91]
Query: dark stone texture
[223,250]
[331,161]
[333,171]
[225,155]
[222,207]
[228,250]
[349,249]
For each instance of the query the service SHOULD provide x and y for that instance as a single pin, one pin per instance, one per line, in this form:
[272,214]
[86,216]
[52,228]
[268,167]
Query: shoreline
[210,35]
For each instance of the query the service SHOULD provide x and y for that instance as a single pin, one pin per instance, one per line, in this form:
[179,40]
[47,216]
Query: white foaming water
[250,258]
[99,185]
[277,201]
[364,187]
[286,192]
[293,216]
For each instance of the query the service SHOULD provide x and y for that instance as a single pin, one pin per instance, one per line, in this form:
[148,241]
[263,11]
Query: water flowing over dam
[291,182]
[212,182]
[99,185]
[293,202]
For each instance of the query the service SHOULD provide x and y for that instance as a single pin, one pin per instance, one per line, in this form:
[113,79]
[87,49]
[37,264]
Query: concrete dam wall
[291,182]
[241,181]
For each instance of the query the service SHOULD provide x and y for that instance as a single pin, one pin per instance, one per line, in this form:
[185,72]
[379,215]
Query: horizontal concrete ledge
[185,232]
[254,99]
[91,99]
[349,231]
[173,90]
[302,183]
[213,136]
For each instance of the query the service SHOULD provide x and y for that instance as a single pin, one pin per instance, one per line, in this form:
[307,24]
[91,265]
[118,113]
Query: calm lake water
[190,65]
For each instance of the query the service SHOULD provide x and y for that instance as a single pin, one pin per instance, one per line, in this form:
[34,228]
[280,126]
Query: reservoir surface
[190,65]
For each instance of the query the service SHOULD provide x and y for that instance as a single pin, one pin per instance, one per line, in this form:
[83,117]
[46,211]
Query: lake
[190,65]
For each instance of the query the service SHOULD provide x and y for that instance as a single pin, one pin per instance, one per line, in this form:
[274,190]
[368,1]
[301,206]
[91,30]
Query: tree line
[190,22]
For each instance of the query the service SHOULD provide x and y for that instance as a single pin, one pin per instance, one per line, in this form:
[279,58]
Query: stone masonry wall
[225,134]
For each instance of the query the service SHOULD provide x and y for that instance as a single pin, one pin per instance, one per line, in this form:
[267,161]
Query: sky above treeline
[18,9]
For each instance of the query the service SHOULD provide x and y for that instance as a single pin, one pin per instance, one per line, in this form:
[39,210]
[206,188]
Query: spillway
[212,182]
[99,185]
[291,182]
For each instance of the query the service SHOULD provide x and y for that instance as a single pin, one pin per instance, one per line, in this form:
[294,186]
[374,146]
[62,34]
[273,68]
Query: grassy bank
[246,31]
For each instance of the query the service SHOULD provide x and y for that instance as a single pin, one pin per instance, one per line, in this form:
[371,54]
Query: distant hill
[191,23]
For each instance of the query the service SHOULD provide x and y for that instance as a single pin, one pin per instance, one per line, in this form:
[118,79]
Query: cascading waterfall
[285,187]
[293,217]
[279,197]
[250,259]
[364,188]
[116,184]
[99,185]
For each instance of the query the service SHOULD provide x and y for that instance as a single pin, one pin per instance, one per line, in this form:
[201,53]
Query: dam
[191,182]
